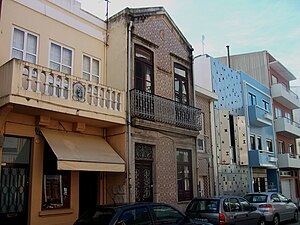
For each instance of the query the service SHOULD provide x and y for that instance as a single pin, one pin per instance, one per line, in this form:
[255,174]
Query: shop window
[184,175]
[56,183]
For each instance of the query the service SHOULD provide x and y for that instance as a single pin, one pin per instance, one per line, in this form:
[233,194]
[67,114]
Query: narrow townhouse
[62,117]
[147,50]
[245,158]
[270,72]
[206,140]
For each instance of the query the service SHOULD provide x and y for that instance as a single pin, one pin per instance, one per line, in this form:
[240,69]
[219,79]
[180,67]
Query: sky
[211,25]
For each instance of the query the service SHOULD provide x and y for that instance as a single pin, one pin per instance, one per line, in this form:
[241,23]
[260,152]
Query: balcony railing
[259,117]
[158,109]
[287,127]
[262,158]
[22,79]
[288,160]
[285,96]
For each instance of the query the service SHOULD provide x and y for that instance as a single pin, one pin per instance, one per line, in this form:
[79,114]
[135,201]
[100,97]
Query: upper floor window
[251,99]
[181,84]
[200,145]
[24,45]
[266,105]
[91,69]
[269,145]
[288,117]
[252,142]
[278,112]
[280,147]
[274,80]
[259,143]
[143,69]
[61,58]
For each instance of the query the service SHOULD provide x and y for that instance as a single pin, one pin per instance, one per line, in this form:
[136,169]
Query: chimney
[228,56]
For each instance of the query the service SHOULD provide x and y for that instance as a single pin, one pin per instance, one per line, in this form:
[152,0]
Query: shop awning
[76,151]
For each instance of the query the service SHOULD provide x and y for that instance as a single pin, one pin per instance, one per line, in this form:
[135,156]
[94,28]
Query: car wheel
[276,220]
[295,218]
[261,222]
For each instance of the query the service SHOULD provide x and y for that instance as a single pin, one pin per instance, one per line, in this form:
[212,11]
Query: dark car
[135,214]
[225,210]
[275,206]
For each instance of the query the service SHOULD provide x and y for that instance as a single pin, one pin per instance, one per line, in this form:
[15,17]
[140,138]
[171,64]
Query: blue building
[245,157]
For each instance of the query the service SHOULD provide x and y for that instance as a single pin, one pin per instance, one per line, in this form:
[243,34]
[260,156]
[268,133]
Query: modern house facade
[163,124]
[62,117]
[270,72]
[245,160]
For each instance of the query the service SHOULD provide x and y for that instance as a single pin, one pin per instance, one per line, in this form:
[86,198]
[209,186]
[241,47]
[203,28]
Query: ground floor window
[56,183]
[184,175]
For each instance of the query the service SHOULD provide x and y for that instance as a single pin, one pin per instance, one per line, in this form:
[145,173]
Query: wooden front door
[14,181]
[143,173]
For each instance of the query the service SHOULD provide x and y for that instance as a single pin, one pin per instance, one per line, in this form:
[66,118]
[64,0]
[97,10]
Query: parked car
[135,214]
[275,206]
[225,210]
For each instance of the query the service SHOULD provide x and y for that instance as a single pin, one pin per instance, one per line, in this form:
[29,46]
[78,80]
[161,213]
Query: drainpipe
[128,111]
[228,56]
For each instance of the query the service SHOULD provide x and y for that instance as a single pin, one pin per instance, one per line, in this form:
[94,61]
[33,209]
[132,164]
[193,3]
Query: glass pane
[176,84]
[55,53]
[180,72]
[95,79]
[86,76]
[86,64]
[18,39]
[30,58]
[95,67]
[55,66]
[66,70]
[31,44]
[17,54]
[16,150]
[67,57]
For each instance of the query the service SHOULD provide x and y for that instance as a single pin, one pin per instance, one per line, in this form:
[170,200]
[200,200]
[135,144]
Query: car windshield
[97,216]
[257,198]
[205,205]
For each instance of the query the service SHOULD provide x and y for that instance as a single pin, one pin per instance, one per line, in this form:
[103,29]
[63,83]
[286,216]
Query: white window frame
[252,136]
[280,147]
[278,112]
[60,63]
[26,32]
[91,68]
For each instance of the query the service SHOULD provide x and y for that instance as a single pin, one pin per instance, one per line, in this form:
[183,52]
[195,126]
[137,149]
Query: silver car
[226,210]
[275,206]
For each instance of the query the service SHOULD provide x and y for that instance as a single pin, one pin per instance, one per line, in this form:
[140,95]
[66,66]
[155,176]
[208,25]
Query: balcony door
[14,181]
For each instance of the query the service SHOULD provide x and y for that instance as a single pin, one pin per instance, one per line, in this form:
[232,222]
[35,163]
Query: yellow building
[62,117]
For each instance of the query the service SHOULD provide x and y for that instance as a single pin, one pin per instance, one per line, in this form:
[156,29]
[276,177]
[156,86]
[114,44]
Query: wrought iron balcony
[158,109]
[36,86]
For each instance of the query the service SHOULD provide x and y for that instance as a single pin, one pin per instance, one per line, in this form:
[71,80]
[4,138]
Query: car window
[253,198]
[245,205]
[167,215]
[275,198]
[204,205]
[226,205]
[234,204]
[136,216]
[282,198]
[96,215]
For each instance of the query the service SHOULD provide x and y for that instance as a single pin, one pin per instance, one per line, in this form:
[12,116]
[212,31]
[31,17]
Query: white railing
[52,83]
[43,84]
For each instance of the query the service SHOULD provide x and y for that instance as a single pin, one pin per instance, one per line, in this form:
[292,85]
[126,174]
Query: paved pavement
[290,223]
